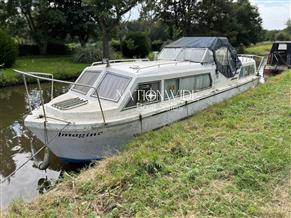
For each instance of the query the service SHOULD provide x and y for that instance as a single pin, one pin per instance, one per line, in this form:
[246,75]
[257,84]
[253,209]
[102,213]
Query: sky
[274,13]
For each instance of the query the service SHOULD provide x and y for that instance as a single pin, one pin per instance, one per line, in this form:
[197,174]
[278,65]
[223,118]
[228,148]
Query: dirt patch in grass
[280,205]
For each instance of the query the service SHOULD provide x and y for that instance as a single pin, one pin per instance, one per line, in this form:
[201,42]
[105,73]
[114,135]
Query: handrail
[47,74]
[250,55]
[64,82]
[255,56]
[161,64]
[119,60]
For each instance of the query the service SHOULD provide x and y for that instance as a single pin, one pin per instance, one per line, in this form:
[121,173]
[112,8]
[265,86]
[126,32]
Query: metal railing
[161,64]
[262,59]
[118,61]
[52,80]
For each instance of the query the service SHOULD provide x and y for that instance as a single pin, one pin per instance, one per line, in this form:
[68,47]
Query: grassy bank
[61,66]
[230,160]
[259,49]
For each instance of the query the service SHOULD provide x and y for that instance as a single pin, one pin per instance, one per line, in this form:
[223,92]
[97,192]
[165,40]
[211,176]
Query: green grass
[60,66]
[230,160]
[259,49]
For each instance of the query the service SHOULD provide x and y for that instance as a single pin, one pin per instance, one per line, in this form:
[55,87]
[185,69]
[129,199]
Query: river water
[15,145]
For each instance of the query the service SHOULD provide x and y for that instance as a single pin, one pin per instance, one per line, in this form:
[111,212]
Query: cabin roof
[144,68]
[212,43]
[288,42]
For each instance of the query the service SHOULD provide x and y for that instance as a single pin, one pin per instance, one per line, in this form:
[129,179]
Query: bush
[8,50]
[91,53]
[116,45]
[136,44]
[57,49]
[52,49]
[25,50]
[157,45]
[87,55]
[282,36]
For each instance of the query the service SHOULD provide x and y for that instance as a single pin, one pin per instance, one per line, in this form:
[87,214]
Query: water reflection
[15,145]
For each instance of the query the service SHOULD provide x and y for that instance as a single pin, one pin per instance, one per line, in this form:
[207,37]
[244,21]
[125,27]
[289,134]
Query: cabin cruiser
[111,102]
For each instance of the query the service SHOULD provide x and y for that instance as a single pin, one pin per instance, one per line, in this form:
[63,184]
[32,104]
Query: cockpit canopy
[200,49]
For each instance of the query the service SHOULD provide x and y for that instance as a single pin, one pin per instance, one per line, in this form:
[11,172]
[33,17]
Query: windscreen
[113,86]
[87,78]
[169,53]
[192,54]
[183,54]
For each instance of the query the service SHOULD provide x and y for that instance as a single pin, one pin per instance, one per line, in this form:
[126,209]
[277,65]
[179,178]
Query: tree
[282,36]
[43,19]
[78,19]
[108,15]
[237,20]
[179,16]
[288,24]
[248,23]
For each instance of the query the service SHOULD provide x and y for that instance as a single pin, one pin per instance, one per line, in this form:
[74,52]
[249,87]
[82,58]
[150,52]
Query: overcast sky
[274,13]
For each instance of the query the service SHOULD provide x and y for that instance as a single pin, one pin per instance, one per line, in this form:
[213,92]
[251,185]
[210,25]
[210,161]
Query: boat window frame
[83,93]
[243,75]
[185,77]
[183,50]
[101,80]
[148,103]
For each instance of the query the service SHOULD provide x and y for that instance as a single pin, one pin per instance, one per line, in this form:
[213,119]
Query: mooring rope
[32,156]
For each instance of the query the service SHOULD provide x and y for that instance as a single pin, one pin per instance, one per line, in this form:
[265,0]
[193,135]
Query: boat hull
[82,145]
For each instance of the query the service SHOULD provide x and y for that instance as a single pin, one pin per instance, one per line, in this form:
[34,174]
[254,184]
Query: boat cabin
[279,58]
[112,102]
[184,67]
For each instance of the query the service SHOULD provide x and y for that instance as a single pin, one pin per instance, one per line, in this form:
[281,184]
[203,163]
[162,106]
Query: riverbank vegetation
[61,67]
[230,160]
[260,49]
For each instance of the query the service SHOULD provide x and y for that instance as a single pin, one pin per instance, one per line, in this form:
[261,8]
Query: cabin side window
[246,71]
[112,86]
[171,88]
[146,93]
[186,85]
[195,83]
[87,78]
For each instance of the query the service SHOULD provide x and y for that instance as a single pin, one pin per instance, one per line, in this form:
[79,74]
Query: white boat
[111,102]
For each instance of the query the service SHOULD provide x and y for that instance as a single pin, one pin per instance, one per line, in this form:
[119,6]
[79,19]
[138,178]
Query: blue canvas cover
[212,43]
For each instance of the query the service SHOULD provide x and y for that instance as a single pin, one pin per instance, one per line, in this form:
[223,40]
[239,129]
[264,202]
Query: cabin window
[208,58]
[195,83]
[87,78]
[186,85]
[146,93]
[282,47]
[171,88]
[112,86]
[169,53]
[202,82]
[191,54]
[247,70]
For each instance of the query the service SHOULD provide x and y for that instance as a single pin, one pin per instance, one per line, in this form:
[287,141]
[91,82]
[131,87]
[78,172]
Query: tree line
[43,21]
